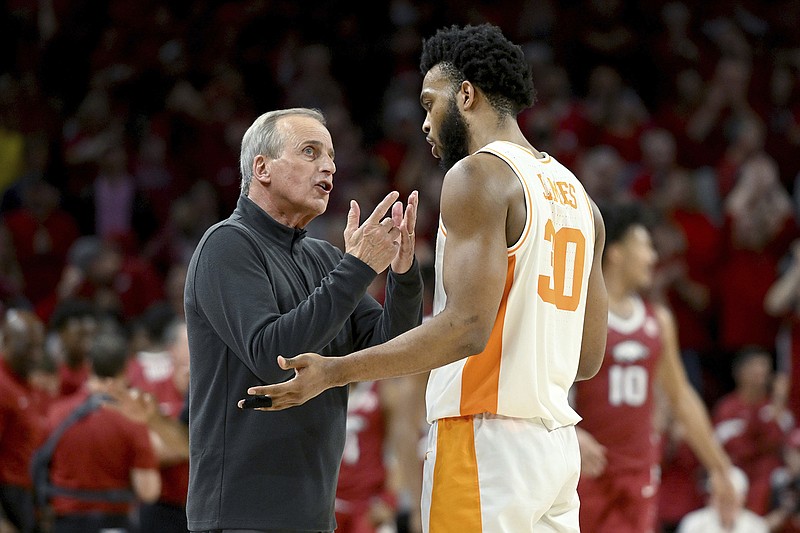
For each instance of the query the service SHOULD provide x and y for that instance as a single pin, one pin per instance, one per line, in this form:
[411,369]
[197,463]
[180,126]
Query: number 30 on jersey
[563,288]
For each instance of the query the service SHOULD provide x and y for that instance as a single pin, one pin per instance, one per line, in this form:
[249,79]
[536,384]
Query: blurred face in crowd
[755,372]
[23,341]
[76,337]
[300,180]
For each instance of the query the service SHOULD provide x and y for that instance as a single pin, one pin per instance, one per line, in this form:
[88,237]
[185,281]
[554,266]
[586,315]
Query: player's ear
[466,94]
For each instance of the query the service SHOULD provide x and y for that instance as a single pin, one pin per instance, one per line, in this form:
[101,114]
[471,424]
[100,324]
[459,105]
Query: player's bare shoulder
[478,179]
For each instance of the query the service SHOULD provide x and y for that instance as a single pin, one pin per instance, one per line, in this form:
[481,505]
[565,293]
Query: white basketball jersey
[531,359]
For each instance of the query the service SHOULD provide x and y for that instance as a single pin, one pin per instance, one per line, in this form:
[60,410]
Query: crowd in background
[121,122]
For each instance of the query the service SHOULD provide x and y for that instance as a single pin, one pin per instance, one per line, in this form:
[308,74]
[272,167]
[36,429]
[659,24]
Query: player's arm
[473,207]
[595,324]
[690,411]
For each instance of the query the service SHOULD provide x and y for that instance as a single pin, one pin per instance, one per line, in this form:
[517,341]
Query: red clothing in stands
[21,428]
[72,379]
[744,277]
[41,249]
[96,453]
[701,258]
[753,437]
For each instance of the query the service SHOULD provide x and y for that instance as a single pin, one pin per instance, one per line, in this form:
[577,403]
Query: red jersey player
[618,441]
[382,431]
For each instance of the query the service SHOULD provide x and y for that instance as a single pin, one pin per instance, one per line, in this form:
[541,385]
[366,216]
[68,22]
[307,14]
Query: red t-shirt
[754,438]
[98,452]
[72,379]
[21,428]
[41,249]
[744,278]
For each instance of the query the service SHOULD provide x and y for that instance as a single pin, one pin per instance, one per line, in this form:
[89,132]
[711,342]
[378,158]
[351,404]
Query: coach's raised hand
[313,374]
[377,241]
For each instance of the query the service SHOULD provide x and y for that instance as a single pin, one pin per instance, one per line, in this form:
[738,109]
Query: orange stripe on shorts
[456,496]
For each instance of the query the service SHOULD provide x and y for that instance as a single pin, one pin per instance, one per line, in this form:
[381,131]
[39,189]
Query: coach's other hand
[313,374]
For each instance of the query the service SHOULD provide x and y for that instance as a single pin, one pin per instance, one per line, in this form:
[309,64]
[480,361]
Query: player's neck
[621,296]
[622,305]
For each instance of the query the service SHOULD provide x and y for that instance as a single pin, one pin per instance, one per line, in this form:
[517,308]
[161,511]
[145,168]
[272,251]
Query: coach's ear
[261,168]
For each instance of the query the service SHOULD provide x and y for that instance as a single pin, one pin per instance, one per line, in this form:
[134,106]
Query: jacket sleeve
[234,293]
[402,309]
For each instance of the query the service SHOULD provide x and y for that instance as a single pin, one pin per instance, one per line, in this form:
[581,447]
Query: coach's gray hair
[263,138]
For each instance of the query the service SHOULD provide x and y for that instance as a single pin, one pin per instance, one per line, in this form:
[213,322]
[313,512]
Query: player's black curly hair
[482,55]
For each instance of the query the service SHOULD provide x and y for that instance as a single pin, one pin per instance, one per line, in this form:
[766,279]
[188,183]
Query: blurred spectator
[783,301]
[558,122]
[102,452]
[674,111]
[603,173]
[657,162]
[116,283]
[689,246]
[782,119]
[759,225]
[745,141]
[12,282]
[752,425]
[154,176]
[190,215]
[21,417]
[73,326]
[168,514]
[113,207]
[726,102]
[784,514]
[39,163]
[12,140]
[42,233]
[710,519]
[151,362]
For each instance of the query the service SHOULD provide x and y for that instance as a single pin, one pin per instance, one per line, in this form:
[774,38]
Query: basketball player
[519,308]
[619,445]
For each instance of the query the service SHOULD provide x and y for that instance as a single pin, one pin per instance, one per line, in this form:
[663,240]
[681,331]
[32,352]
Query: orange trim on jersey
[442,228]
[591,215]
[528,216]
[480,378]
[456,496]
[529,206]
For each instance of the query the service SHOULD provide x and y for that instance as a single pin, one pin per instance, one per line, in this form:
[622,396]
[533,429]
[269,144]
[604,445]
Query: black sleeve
[237,297]
[402,309]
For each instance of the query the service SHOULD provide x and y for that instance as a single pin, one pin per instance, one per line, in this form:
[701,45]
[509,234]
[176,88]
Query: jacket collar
[258,220]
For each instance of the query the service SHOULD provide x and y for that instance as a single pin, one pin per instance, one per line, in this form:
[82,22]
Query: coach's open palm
[377,240]
[313,374]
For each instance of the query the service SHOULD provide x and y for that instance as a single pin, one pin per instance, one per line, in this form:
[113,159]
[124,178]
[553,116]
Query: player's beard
[453,137]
